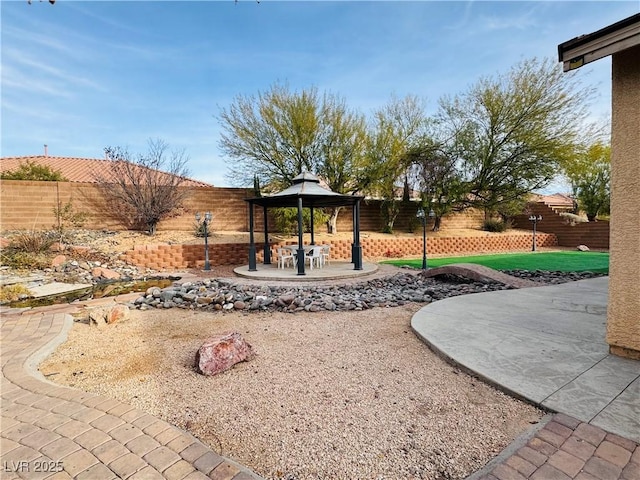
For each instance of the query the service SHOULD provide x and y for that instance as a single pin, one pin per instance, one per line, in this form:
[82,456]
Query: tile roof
[556,199]
[74,169]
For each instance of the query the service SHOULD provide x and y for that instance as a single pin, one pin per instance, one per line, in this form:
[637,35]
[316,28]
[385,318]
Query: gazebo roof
[307,187]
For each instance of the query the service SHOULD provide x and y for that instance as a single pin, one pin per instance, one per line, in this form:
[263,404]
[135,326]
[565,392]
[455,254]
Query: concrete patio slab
[546,345]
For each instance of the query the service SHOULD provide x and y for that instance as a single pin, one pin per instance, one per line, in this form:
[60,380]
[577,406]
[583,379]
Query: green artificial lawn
[596,262]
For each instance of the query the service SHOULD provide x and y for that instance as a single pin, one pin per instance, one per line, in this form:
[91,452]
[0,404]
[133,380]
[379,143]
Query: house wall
[623,325]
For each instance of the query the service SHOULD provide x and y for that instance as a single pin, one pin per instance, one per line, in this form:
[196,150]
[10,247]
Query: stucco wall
[623,326]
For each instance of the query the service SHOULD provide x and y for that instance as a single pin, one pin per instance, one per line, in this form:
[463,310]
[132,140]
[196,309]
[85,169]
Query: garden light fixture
[534,219]
[205,223]
[423,219]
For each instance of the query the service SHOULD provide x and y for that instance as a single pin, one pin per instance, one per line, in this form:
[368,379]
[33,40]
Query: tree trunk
[332,224]
[592,217]
[436,223]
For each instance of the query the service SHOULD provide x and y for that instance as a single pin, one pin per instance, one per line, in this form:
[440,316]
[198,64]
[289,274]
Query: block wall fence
[169,257]
[30,205]
[591,234]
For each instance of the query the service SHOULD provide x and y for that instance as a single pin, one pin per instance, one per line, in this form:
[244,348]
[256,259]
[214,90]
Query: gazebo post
[313,242]
[267,248]
[300,252]
[357,249]
[252,245]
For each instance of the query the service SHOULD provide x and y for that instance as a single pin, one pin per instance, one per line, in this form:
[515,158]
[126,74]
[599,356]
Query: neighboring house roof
[74,169]
[554,200]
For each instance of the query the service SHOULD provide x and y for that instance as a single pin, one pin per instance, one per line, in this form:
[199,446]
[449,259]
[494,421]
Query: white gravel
[328,396]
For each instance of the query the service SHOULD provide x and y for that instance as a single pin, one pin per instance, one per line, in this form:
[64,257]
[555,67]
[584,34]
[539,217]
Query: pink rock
[221,352]
[117,313]
[58,260]
[105,273]
[4,242]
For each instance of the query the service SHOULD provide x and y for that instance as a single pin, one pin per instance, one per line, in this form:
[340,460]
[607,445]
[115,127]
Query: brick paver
[83,436]
[584,453]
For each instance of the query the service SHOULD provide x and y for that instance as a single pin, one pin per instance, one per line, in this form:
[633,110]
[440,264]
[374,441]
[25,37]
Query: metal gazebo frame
[305,192]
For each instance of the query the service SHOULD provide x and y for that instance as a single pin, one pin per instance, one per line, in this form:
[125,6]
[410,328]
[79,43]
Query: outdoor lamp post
[534,220]
[423,219]
[206,221]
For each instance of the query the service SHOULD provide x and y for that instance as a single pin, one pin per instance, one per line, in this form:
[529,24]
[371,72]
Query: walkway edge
[512,448]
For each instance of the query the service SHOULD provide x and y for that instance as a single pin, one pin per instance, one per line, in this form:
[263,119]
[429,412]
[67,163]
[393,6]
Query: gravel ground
[340,395]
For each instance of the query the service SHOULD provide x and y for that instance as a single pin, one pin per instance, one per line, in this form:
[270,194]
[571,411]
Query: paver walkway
[54,432]
[566,449]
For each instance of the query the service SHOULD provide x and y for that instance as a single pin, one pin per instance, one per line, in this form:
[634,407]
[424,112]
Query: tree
[590,173]
[511,132]
[278,134]
[144,189]
[274,136]
[438,179]
[343,162]
[31,170]
[397,127]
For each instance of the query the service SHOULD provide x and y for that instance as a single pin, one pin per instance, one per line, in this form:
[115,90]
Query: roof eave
[611,39]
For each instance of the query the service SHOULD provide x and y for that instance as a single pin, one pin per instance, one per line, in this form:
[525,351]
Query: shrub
[198,229]
[32,242]
[11,293]
[25,260]
[492,225]
[33,171]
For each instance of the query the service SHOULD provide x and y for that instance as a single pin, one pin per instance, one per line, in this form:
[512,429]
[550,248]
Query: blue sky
[82,75]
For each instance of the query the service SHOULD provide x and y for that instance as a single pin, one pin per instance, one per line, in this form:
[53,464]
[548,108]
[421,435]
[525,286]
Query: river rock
[221,352]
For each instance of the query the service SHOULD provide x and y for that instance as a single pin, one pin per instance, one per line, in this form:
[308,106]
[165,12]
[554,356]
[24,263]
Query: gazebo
[305,192]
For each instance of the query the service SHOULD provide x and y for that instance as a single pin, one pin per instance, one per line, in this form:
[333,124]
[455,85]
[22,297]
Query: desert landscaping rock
[221,352]
[391,291]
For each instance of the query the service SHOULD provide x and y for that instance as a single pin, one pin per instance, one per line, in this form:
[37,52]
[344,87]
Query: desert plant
[198,229]
[11,293]
[67,216]
[21,260]
[286,219]
[493,225]
[139,192]
[34,241]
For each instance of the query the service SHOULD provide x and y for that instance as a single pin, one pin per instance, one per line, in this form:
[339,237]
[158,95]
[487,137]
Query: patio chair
[285,256]
[326,249]
[315,257]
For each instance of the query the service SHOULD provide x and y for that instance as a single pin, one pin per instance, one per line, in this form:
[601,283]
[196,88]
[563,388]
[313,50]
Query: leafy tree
[396,128]
[438,179]
[512,131]
[590,173]
[275,136]
[343,164]
[146,188]
[31,170]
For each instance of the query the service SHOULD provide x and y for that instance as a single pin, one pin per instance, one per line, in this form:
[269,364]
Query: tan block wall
[30,205]
[623,317]
[172,257]
[591,234]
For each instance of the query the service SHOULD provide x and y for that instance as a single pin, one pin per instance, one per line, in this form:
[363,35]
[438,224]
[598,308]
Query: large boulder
[221,352]
[101,272]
